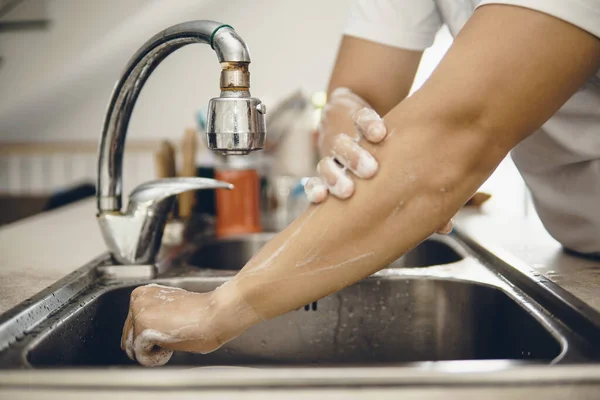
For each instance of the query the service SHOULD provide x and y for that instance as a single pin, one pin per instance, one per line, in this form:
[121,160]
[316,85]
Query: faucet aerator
[235,125]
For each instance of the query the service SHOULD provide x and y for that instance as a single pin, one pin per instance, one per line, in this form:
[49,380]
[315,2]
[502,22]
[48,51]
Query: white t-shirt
[561,161]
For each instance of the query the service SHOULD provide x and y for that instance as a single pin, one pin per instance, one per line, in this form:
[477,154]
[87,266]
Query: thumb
[147,348]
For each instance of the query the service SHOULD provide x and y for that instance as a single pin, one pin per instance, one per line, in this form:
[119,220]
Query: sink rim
[444,373]
[429,273]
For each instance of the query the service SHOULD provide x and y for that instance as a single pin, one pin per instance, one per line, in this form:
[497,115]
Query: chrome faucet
[235,125]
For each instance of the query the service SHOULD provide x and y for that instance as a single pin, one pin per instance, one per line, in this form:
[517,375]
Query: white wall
[55,85]
[31,57]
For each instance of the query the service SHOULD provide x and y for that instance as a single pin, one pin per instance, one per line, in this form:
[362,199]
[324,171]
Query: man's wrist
[233,314]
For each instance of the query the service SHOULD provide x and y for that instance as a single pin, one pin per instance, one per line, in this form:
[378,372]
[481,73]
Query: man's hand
[346,120]
[343,156]
[340,115]
[164,319]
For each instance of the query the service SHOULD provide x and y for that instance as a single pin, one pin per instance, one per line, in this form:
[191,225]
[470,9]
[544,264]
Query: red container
[238,210]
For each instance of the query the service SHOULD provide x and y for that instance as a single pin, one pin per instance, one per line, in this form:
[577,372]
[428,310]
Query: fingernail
[367,165]
[316,194]
[315,190]
[344,186]
[377,131]
[361,163]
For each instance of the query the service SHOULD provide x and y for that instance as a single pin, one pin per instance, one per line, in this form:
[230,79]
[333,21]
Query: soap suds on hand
[343,186]
[148,352]
[129,345]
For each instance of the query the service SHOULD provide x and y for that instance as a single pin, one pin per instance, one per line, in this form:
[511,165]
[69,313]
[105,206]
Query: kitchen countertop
[526,240]
[37,251]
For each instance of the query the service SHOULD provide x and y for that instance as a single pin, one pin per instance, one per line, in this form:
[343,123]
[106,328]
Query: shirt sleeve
[584,14]
[407,24]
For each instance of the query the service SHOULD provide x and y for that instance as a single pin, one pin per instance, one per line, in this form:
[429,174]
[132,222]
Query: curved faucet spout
[230,49]
[236,126]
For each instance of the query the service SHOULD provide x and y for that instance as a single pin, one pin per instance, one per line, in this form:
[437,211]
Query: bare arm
[508,71]
[382,75]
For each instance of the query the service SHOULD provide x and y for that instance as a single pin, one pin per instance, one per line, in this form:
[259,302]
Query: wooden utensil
[165,160]
[189,146]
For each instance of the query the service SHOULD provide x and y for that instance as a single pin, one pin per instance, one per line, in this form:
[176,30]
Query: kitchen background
[61,58]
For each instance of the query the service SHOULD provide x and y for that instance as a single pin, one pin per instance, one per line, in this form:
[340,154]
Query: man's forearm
[509,70]
[337,243]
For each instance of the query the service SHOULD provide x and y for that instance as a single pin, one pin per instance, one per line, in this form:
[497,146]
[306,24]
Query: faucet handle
[153,194]
[135,236]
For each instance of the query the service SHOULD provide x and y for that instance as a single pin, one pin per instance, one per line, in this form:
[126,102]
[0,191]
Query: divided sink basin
[379,320]
[450,308]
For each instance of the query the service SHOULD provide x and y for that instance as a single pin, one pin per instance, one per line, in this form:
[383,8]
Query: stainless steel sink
[234,252]
[384,319]
[453,307]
